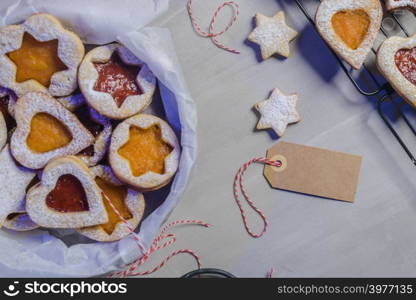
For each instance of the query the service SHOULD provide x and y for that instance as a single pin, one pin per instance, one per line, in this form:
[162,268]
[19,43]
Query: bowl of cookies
[97,139]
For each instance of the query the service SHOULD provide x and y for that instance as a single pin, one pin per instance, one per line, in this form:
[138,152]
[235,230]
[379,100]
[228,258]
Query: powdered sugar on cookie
[278,111]
[273,35]
[395,4]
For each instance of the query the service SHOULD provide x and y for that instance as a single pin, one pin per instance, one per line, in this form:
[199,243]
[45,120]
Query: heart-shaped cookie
[46,130]
[116,83]
[350,27]
[39,55]
[144,152]
[128,202]
[396,60]
[397,4]
[67,196]
[14,181]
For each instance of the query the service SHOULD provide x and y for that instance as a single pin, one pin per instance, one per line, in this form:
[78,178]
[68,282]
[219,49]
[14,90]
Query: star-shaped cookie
[273,35]
[278,111]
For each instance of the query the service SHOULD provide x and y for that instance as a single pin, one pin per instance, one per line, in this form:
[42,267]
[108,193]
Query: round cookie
[39,55]
[144,152]
[116,83]
[131,207]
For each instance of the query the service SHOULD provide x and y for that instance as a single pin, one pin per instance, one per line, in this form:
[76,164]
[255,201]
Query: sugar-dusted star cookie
[273,35]
[278,111]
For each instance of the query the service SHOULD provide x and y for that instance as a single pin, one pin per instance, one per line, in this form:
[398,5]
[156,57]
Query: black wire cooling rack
[383,90]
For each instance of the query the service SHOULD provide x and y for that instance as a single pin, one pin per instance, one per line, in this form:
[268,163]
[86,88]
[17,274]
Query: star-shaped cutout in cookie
[273,35]
[278,111]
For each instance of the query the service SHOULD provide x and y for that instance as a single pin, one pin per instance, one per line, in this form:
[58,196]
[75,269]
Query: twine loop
[211,33]
[239,186]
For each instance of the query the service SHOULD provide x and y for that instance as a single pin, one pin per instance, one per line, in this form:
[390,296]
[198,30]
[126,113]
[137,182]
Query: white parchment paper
[39,253]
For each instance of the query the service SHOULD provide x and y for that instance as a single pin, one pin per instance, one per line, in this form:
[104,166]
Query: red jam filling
[406,62]
[68,195]
[117,79]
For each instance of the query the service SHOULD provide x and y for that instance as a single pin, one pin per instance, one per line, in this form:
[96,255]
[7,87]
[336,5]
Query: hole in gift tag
[280,159]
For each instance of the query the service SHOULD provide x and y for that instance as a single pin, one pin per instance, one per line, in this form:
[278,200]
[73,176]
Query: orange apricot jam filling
[68,195]
[117,195]
[145,150]
[117,79]
[47,133]
[351,26]
[36,60]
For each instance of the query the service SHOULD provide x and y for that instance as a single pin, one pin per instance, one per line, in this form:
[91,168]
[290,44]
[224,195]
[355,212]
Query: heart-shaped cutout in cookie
[350,27]
[67,196]
[46,130]
[396,60]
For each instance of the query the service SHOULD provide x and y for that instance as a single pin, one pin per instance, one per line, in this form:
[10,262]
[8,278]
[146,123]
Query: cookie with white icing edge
[324,22]
[29,106]
[40,210]
[134,202]
[42,27]
[102,140]
[121,166]
[14,180]
[20,222]
[104,102]
[386,62]
[278,111]
[397,4]
[273,35]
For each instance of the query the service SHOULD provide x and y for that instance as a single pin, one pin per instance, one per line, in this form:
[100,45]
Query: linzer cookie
[39,55]
[144,152]
[101,128]
[128,202]
[396,60]
[397,4]
[46,130]
[14,181]
[67,196]
[350,27]
[115,82]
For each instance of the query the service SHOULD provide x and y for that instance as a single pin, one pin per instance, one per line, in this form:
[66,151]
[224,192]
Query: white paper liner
[39,253]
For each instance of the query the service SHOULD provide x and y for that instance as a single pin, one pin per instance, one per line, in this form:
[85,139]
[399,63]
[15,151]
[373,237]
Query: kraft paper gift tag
[314,171]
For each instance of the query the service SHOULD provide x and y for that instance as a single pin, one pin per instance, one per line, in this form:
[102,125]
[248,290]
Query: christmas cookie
[46,130]
[115,82]
[144,152]
[128,202]
[39,55]
[396,60]
[273,35]
[278,111]
[101,128]
[14,181]
[350,27]
[396,4]
[67,196]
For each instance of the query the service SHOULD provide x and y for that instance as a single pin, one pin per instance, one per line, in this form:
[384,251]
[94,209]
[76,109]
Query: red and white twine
[156,245]
[211,33]
[239,185]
